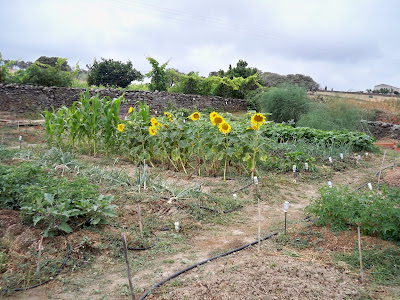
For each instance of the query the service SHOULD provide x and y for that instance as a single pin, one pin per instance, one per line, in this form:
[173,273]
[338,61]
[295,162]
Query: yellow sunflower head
[154,122]
[253,127]
[168,115]
[258,119]
[130,109]
[224,127]
[152,130]
[213,115]
[195,116]
[121,127]
[217,120]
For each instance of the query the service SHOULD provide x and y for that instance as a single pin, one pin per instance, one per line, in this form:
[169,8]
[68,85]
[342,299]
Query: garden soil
[274,272]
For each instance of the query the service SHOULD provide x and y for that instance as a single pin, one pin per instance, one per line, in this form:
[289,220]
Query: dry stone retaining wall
[382,129]
[22,98]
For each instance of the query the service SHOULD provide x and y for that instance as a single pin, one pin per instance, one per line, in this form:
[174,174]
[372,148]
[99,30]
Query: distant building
[391,89]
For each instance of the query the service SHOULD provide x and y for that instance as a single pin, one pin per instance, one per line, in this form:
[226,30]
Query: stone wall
[381,129]
[25,98]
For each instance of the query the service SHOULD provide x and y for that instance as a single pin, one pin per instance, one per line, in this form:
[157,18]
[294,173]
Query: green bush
[333,116]
[236,87]
[112,73]
[286,103]
[377,212]
[42,74]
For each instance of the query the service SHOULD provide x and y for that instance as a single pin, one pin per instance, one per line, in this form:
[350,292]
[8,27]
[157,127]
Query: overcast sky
[343,44]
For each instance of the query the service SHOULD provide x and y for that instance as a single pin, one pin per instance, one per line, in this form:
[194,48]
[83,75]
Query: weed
[382,264]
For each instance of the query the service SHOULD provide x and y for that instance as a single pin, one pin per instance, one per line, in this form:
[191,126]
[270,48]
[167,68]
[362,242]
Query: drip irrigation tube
[239,189]
[204,262]
[210,259]
[223,211]
[136,248]
[55,274]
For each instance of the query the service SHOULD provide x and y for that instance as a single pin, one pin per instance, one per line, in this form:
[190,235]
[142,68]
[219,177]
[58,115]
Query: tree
[303,81]
[269,79]
[52,61]
[158,76]
[112,73]
[241,70]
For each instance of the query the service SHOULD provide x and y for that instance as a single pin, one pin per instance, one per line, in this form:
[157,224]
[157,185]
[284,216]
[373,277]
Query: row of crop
[50,201]
[207,143]
[282,132]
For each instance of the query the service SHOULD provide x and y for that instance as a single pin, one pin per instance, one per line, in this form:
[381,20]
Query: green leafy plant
[377,212]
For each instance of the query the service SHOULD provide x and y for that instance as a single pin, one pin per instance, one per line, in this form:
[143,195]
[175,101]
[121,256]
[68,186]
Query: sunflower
[152,130]
[253,127]
[258,119]
[154,122]
[213,115]
[130,109]
[120,127]
[217,120]
[168,115]
[224,127]
[195,116]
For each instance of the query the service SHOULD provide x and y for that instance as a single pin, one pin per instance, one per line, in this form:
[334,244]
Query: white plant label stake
[294,173]
[370,186]
[341,156]
[176,226]
[20,141]
[285,209]
[306,166]
[330,184]
[234,196]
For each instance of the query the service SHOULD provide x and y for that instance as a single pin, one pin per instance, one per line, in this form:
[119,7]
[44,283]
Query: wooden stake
[285,221]
[259,225]
[359,252]
[127,265]
[140,221]
[380,171]
[39,255]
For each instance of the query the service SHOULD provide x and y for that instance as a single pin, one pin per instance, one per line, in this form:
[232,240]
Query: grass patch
[382,264]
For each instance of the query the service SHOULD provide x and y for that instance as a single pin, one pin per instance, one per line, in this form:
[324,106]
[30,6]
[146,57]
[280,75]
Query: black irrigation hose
[387,167]
[208,260]
[202,263]
[136,248]
[223,211]
[239,189]
[391,166]
[55,274]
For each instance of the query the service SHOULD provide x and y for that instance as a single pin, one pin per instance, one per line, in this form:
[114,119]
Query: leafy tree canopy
[158,75]
[52,61]
[112,73]
[269,79]
[241,70]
